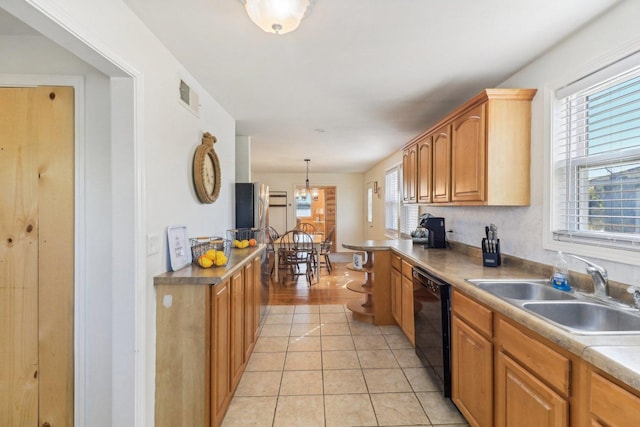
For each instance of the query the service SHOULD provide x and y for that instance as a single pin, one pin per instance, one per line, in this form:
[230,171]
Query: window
[399,220]
[392,202]
[409,220]
[596,159]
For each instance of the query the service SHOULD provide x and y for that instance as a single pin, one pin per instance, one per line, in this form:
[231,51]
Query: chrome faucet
[599,276]
[635,293]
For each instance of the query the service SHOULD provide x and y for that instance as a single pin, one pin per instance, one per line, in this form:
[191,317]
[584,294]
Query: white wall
[350,217]
[521,229]
[152,187]
[377,173]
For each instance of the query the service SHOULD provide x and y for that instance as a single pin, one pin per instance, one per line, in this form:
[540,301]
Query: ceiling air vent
[189,98]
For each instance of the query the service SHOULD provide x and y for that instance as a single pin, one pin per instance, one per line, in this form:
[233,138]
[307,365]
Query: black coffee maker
[437,233]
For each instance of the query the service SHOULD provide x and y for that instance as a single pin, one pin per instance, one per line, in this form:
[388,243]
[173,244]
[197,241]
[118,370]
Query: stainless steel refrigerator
[252,213]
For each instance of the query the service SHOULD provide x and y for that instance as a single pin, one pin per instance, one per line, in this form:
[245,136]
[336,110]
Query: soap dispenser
[560,278]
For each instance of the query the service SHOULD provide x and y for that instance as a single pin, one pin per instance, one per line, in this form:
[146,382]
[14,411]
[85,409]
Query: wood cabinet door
[220,369]
[249,314]
[471,373]
[523,400]
[441,165]
[409,172]
[610,404]
[257,288]
[424,170]
[237,328]
[468,156]
[396,296]
[407,324]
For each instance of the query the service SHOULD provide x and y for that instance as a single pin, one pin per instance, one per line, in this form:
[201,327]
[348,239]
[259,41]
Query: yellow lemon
[211,254]
[204,262]
[245,243]
[221,259]
[236,243]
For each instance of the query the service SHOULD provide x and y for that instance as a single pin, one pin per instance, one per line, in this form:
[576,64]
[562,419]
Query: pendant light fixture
[303,192]
[277,16]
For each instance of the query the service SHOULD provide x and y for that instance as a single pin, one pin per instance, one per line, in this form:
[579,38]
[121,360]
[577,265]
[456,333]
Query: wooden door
[237,328]
[36,256]
[523,400]
[471,373]
[441,165]
[468,156]
[409,169]
[424,170]
[330,213]
[220,360]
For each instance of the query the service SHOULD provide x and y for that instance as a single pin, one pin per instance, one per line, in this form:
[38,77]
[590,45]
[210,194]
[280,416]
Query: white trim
[80,247]
[55,23]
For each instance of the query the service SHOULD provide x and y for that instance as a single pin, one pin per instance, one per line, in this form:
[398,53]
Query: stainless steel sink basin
[585,317]
[523,290]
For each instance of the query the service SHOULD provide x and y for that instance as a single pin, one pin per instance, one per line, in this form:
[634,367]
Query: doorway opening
[317,208]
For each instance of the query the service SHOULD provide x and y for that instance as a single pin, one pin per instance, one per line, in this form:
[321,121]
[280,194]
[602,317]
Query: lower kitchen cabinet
[533,380]
[610,404]
[204,336]
[396,295]
[401,284]
[472,360]
[523,400]
[407,325]
[220,355]
[237,328]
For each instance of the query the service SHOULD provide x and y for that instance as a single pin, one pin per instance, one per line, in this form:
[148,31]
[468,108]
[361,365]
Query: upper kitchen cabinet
[424,170]
[480,153]
[441,169]
[468,156]
[409,174]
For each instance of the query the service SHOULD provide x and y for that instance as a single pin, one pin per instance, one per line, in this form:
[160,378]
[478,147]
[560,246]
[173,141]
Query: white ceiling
[359,78]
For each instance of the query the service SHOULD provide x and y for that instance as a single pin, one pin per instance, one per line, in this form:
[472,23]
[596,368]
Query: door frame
[79,245]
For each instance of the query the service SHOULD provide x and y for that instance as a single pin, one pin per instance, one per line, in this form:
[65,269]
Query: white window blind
[408,220]
[391,202]
[596,160]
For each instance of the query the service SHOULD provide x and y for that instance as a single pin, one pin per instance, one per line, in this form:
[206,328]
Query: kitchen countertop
[617,355]
[193,274]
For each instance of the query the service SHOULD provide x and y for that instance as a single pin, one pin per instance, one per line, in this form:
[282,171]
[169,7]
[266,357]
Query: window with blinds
[392,202]
[408,220]
[596,158]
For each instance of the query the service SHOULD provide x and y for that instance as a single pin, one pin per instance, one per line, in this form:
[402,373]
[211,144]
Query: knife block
[490,253]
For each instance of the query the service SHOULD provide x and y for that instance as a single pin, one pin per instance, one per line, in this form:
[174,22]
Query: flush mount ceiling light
[277,16]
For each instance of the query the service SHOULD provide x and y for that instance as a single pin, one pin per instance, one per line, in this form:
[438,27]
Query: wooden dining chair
[296,255]
[272,234]
[307,228]
[325,250]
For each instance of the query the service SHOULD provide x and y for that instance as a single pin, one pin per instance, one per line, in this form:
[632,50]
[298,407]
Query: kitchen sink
[523,289]
[585,317]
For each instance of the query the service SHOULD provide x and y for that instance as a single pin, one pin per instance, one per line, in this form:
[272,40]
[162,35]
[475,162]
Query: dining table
[317,239]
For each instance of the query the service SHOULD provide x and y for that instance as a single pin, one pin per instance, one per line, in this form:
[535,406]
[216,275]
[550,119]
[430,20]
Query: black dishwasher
[432,314]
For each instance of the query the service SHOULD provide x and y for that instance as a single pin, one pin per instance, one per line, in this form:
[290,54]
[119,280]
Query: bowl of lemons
[210,251]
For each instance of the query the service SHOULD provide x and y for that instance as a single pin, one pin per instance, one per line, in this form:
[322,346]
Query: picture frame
[179,249]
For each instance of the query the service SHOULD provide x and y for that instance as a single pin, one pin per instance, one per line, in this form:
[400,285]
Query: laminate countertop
[193,274]
[618,355]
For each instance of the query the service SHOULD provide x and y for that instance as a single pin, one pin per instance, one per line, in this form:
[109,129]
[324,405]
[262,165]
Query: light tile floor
[313,365]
